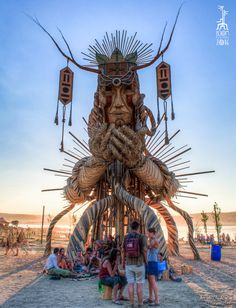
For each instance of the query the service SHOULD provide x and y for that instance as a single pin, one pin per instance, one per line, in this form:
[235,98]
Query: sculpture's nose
[118,100]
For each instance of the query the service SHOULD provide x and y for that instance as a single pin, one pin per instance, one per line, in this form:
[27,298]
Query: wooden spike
[85,121]
[178,155]
[180,196]
[154,146]
[181,169]
[84,153]
[79,142]
[195,173]
[61,175]
[192,193]
[164,157]
[185,162]
[58,171]
[79,152]
[73,162]
[69,166]
[51,189]
[178,159]
[70,154]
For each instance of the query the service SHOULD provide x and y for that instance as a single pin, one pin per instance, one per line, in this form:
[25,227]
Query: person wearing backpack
[135,256]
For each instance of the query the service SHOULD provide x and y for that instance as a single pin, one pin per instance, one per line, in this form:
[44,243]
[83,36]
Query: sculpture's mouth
[118,113]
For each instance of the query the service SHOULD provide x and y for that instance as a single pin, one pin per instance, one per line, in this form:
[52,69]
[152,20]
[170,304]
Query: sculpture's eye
[129,99]
[108,101]
[128,89]
[108,88]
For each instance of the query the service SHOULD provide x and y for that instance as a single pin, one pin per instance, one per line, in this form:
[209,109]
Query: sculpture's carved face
[118,102]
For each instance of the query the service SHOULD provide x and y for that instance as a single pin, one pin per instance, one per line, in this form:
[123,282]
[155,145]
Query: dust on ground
[212,284]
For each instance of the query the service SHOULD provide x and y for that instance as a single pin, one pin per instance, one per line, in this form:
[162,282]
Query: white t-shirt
[51,261]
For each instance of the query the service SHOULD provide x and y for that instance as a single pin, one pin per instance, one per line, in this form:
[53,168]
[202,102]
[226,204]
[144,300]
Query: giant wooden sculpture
[122,175]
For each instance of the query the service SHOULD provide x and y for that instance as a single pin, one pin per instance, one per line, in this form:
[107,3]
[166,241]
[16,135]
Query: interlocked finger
[136,137]
[106,138]
[127,132]
[143,131]
[98,133]
[123,138]
[122,148]
[115,152]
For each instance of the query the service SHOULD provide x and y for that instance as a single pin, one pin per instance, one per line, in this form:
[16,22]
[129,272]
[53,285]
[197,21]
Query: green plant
[196,229]
[216,217]
[204,219]
[49,218]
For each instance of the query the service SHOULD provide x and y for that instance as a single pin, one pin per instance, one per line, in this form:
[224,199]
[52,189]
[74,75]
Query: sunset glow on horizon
[203,84]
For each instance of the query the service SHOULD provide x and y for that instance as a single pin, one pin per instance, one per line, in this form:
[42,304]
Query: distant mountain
[30,219]
[227,219]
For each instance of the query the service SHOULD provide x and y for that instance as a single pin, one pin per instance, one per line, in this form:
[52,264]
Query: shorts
[135,273]
[152,268]
[112,281]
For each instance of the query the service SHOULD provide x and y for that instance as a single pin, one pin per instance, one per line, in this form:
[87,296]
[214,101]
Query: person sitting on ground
[109,276]
[87,257]
[53,269]
[63,261]
[152,268]
[79,262]
[98,249]
[95,263]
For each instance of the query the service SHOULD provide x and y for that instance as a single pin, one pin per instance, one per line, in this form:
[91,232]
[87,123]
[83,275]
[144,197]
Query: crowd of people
[210,239]
[117,264]
[16,240]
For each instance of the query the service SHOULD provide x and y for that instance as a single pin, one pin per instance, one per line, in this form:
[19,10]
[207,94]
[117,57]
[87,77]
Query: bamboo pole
[42,225]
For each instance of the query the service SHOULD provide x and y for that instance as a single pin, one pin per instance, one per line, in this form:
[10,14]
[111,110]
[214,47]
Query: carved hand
[127,145]
[98,142]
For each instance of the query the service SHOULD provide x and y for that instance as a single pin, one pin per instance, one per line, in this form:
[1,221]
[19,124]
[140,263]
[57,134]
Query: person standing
[152,268]
[135,257]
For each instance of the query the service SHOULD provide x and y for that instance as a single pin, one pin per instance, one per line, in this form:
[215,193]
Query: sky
[203,86]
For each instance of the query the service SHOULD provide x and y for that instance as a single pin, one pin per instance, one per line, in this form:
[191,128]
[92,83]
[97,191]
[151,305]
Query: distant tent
[3,221]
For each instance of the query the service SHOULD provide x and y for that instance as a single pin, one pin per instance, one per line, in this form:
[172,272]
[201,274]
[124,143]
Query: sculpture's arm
[156,175]
[85,174]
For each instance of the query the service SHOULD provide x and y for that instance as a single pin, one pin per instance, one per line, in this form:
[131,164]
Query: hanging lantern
[66,85]
[163,80]
[65,97]
[163,76]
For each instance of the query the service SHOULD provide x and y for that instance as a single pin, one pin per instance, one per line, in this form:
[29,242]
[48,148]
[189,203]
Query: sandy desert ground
[212,284]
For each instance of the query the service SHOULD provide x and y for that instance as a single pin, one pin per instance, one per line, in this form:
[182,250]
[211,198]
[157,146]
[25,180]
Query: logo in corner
[222,29]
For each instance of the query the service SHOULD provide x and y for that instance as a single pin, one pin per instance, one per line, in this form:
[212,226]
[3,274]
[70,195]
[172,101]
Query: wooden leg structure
[48,247]
[189,222]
